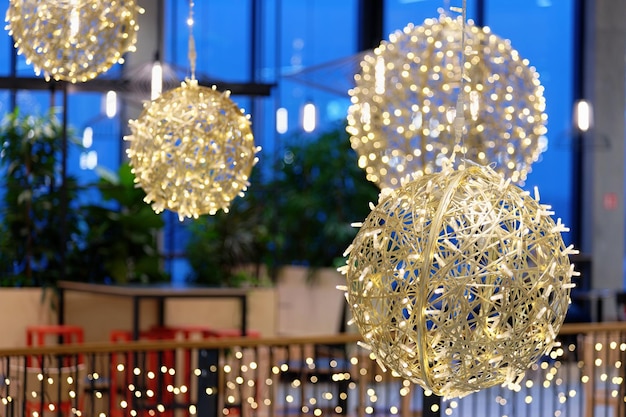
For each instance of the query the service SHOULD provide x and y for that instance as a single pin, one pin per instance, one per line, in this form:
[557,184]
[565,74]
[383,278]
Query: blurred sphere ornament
[73,40]
[192,150]
[404,100]
[459,280]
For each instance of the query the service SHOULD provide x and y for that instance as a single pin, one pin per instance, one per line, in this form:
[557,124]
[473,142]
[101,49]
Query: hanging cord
[192,43]
[459,118]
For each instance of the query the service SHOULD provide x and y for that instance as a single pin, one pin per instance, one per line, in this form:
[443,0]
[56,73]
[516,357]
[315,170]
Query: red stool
[65,333]
[40,335]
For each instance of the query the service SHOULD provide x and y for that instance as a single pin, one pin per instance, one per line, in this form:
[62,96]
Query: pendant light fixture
[458,280]
[406,91]
[73,40]
[192,149]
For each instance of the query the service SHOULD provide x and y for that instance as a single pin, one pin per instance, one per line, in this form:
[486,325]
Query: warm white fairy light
[459,280]
[405,97]
[192,149]
[73,40]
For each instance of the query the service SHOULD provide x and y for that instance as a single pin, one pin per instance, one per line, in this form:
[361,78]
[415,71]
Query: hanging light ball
[192,150]
[73,40]
[459,280]
[404,98]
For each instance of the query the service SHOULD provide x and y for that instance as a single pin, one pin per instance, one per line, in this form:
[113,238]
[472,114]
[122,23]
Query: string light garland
[192,149]
[550,382]
[73,40]
[404,98]
[459,280]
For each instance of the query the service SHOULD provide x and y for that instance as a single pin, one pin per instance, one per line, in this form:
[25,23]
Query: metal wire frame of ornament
[403,103]
[192,149]
[459,280]
[73,41]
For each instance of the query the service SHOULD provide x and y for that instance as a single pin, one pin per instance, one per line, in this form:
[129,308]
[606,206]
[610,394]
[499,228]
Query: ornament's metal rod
[192,55]
[459,119]
[437,224]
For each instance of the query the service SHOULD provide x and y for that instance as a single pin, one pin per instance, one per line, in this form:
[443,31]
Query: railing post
[362,388]
[208,363]
[405,403]
[431,406]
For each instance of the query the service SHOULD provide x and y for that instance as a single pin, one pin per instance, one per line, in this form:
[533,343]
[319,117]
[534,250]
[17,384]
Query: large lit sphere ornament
[73,40]
[405,95]
[192,150]
[459,280]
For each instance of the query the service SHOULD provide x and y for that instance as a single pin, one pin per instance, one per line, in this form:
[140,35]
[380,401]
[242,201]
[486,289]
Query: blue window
[307,50]
[543,32]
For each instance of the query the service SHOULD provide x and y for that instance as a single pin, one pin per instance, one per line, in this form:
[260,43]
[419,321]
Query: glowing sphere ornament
[404,100]
[73,40]
[192,150]
[459,280]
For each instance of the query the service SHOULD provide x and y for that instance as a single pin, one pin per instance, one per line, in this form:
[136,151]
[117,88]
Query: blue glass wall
[293,37]
[222,36]
[398,13]
[6,44]
[543,32]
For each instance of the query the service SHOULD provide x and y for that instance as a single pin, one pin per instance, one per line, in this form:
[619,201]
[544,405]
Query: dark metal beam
[581,13]
[125,86]
[480,13]
[370,24]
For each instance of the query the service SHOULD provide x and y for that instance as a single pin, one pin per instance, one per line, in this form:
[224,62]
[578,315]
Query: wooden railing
[319,376]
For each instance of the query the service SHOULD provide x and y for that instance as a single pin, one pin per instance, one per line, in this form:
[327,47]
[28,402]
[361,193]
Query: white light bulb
[583,115]
[282,121]
[111,104]
[87,137]
[309,116]
[156,84]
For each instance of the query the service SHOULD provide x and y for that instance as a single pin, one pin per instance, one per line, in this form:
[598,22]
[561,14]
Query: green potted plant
[39,216]
[295,224]
[230,249]
[301,216]
[120,239]
[318,191]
